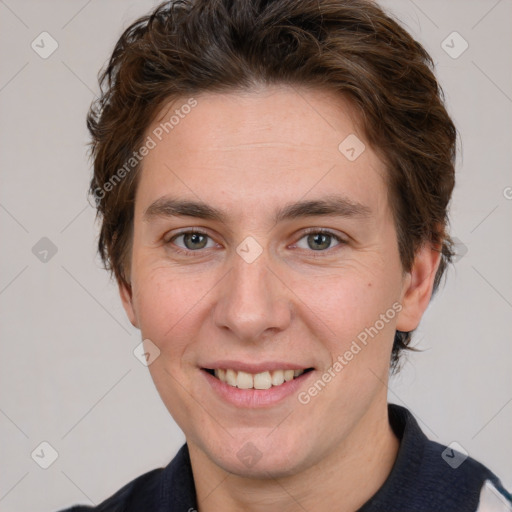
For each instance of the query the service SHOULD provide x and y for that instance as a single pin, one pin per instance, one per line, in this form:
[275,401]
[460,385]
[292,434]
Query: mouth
[259,381]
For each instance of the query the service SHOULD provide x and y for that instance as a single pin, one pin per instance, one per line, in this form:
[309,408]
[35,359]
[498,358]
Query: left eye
[319,240]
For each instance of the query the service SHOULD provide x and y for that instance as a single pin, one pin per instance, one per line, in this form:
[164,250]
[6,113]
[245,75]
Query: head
[272,180]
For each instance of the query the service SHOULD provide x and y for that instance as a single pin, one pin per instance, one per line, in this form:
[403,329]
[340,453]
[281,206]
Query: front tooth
[262,380]
[288,375]
[244,380]
[277,377]
[231,377]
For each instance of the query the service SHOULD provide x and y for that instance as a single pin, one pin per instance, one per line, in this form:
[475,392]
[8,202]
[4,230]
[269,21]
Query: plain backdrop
[68,374]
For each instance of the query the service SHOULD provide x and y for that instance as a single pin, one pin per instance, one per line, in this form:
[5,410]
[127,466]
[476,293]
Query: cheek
[347,302]
[167,305]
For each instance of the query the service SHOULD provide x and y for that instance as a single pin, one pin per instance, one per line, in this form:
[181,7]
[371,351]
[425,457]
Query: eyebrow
[332,205]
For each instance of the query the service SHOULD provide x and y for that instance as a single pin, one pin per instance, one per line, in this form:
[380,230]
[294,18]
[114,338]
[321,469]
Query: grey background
[68,375]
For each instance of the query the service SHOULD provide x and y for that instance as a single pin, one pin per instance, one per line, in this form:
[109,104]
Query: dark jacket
[426,477]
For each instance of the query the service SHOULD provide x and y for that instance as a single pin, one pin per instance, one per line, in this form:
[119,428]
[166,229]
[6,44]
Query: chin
[255,456]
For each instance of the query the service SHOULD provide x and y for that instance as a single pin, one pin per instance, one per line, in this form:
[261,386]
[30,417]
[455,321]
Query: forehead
[267,115]
[279,142]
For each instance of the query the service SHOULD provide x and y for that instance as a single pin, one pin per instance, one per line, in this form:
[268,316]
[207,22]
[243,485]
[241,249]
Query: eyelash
[308,231]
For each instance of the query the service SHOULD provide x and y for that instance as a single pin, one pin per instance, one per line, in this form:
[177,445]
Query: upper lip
[254,367]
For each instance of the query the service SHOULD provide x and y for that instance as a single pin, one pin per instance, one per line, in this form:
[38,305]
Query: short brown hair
[186,47]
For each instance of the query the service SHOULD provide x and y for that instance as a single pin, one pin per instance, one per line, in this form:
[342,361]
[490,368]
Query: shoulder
[142,489]
[170,488]
[452,478]
[428,476]
[459,482]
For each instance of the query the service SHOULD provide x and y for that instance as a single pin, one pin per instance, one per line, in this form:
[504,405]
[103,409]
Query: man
[273,181]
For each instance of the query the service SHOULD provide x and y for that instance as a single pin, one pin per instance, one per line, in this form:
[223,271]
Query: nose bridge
[253,300]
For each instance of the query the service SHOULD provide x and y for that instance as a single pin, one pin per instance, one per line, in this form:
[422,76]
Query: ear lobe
[126,294]
[417,287]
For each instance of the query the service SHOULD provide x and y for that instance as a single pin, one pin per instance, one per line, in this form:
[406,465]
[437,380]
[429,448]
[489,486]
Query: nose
[254,301]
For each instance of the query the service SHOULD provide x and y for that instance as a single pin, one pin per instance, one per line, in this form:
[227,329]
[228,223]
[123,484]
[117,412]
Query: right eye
[191,241]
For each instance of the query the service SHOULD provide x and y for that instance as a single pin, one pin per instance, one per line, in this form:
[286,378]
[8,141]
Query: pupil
[195,239]
[319,239]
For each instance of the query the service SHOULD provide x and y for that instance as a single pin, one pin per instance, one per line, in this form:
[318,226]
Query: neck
[343,481]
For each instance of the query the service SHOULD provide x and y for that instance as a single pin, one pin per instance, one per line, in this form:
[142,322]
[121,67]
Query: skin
[249,154]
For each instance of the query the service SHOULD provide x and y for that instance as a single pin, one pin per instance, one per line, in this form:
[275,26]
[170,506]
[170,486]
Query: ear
[126,294]
[417,287]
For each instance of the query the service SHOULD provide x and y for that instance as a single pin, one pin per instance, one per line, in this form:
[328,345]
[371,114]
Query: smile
[261,380]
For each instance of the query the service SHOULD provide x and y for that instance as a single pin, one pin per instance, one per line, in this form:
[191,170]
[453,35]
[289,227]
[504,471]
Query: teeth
[263,380]
[244,380]
[288,375]
[277,377]
[230,377]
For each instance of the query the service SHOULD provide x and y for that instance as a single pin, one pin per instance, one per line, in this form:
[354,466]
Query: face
[259,247]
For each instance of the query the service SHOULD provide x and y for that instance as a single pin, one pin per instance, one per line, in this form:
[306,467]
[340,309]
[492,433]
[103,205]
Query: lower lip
[253,398]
